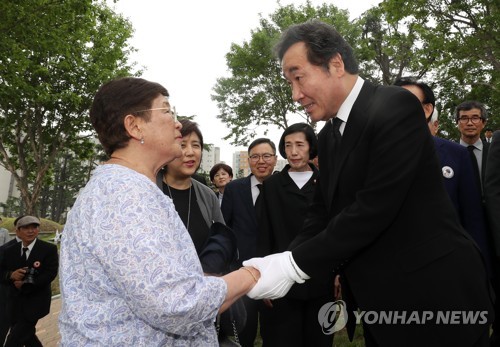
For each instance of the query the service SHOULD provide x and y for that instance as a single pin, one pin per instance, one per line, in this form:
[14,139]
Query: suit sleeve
[397,145]
[492,190]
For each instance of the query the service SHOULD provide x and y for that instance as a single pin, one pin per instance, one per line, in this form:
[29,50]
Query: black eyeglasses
[473,119]
[267,157]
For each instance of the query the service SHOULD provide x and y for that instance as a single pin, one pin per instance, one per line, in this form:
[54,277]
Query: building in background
[8,187]
[209,158]
[240,164]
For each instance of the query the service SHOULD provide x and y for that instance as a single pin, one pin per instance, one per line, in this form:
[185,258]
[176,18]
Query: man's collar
[254,181]
[346,107]
[31,245]
[478,144]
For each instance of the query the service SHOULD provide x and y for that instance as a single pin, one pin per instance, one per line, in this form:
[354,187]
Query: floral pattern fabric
[129,272]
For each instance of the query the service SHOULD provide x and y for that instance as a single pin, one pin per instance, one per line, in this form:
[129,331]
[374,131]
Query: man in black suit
[492,190]
[457,171]
[240,208]
[492,203]
[471,117]
[380,213]
[488,135]
[4,289]
[28,267]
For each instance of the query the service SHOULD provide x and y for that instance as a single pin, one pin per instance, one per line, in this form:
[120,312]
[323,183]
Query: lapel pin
[448,172]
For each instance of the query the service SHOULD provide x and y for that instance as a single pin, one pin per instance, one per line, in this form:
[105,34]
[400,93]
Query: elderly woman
[220,175]
[129,273]
[196,204]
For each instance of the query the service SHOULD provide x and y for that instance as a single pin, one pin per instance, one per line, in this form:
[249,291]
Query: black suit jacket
[390,227]
[460,184]
[239,214]
[32,303]
[285,208]
[492,190]
[484,161]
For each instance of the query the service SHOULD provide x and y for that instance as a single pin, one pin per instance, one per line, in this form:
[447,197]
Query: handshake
[278,272]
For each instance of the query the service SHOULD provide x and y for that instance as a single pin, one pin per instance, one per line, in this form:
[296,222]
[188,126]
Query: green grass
[339,340]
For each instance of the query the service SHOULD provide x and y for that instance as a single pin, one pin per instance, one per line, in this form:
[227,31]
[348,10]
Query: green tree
[53,57]
[256,95]
[462,36]
[390,50]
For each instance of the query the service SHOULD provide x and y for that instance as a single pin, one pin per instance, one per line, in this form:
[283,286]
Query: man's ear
[132,126]
[428,110]
[336,65]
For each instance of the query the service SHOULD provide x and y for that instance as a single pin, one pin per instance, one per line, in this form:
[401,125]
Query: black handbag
[219,257]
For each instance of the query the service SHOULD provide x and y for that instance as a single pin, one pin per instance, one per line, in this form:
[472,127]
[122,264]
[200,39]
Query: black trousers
[4,317]
[23,333]
[294,323]
[247,336]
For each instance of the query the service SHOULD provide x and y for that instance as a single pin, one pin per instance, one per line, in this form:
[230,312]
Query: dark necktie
[475,166]
[336,135]
[334,138]
[258,203]
[25,255]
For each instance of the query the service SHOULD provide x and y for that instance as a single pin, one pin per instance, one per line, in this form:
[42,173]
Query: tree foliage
[53,57]
[450,44]
[256,94]
[462,37]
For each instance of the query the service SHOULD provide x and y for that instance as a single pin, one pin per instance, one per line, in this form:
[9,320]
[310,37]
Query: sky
[182,45]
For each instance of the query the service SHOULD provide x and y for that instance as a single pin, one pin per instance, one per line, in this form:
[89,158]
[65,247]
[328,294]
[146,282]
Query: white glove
[278,272]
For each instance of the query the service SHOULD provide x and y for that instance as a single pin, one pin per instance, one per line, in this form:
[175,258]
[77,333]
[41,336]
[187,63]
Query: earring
[142,141]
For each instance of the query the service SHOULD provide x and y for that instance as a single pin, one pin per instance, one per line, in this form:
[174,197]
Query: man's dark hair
[308,131]
[262,140]
[116,99]
[469,105]
[219,166]
[322,43]
[429,97]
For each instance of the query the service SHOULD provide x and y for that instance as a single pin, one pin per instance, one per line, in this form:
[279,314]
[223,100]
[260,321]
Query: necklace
[189,203]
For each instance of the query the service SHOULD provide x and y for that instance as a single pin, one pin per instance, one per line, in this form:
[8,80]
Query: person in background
[4,290]
[241,208]
[29,267]
[492,203]
[293,320]
[471,117]
[196,203]
[380,215]
[488,135]
[220,175]
[456,170]
[492,190]
[129,273]
[4,234]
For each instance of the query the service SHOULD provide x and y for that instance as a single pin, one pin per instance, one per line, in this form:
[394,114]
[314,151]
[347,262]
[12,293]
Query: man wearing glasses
[471,117]
[240,208]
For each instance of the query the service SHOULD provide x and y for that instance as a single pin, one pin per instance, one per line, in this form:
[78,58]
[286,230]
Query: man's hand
[18,275]
[278,273]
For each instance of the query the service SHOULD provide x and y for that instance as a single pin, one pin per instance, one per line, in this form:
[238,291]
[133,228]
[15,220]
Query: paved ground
[47,329]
